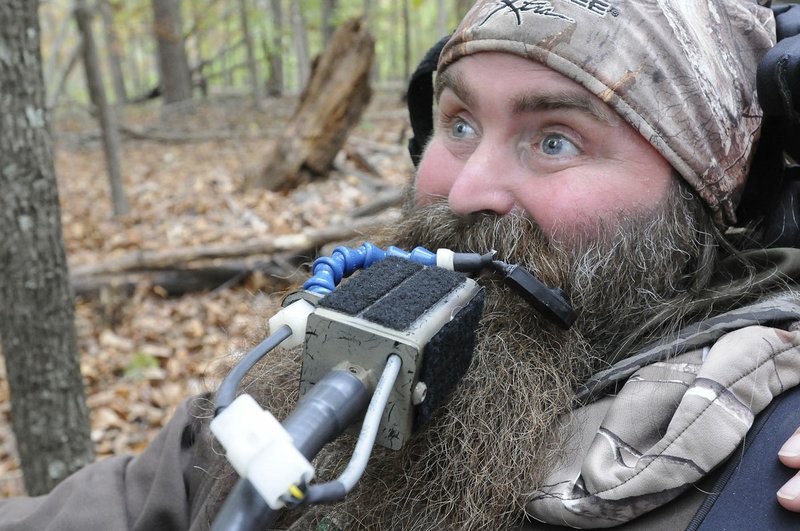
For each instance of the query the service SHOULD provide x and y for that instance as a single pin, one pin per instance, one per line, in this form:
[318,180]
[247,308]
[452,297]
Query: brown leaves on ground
[141,354]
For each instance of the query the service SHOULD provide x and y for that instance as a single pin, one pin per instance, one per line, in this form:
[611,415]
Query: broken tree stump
[331,105]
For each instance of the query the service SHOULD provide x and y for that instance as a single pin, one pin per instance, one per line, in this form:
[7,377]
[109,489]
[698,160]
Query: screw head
[419,393]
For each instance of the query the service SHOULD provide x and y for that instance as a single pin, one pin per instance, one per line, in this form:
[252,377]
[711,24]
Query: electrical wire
[228,387]
[337,489]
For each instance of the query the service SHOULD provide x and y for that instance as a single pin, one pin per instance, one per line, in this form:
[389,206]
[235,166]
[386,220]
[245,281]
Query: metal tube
[337,489]
[321,415]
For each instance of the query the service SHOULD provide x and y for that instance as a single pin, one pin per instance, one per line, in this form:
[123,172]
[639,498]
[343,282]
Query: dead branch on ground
[289,243]
[386,199]
[278,272]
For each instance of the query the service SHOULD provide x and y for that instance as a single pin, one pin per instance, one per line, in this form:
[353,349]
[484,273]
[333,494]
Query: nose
[482,185]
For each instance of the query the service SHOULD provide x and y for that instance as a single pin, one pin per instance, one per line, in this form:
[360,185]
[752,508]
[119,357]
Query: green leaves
[142,366]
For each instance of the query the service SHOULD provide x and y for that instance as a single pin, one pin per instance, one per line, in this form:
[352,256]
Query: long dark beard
[475,465]
[622,275]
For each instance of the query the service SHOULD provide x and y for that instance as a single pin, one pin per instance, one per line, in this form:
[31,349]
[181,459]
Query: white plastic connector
[296,316]
[260,449]
[444,259]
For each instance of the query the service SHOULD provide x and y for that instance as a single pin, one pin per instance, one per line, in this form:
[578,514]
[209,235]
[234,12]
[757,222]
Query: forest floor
[141,354]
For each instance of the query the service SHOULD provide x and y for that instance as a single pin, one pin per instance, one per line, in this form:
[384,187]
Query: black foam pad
[401,307]
[367,286]
[396,293]
[447,357]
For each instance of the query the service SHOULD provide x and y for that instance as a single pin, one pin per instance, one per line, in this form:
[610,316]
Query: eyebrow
[563,101]
[526,103]
[453,80]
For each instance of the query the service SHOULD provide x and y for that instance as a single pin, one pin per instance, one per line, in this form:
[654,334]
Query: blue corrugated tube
[328,271]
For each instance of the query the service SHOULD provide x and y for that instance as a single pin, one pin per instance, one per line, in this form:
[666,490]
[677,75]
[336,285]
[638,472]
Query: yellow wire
[295,491]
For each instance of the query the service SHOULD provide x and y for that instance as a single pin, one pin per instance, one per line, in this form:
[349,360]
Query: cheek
[571,206]
[436,174]
[559,207]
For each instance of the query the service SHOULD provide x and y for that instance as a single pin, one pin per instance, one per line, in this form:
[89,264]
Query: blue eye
[556,145]
[461,129]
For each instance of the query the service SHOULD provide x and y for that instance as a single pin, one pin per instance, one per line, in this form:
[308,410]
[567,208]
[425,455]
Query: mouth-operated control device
[400,330]
[424,315]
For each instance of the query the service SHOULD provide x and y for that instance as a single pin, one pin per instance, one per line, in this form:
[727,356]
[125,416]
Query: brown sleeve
[153,490]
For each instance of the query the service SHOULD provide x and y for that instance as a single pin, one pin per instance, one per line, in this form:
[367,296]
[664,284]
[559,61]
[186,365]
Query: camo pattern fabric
[674,420]
[681,73]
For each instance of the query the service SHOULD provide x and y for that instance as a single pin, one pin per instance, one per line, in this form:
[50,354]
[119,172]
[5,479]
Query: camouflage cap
[681,73]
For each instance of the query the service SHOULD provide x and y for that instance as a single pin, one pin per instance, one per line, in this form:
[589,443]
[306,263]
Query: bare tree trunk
[441,21]
[108,121]
[227,80]
[368,12]
[328,15]
[57,46]
[197,22]
[134,56]
[330,106]
[275,55]
[50,418]
[114,52]
[197,19]
[406,42]
[397,13]
[74,55]
[368,21]
[173,65]
[252,66]
[300,36]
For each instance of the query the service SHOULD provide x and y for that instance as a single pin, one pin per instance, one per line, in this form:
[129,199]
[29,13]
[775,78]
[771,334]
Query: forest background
[175,260]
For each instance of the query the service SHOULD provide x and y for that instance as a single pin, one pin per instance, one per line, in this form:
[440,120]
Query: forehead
[524,85]
[509,63]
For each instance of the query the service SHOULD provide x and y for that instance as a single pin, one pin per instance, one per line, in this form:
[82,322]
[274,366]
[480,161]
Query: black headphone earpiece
[771,197]
[419,99]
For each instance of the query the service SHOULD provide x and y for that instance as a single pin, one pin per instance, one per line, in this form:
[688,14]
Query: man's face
[544,163]
[512,134]
[550,162]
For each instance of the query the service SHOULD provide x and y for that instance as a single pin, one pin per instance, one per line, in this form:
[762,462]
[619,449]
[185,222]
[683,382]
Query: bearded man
[605,149]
